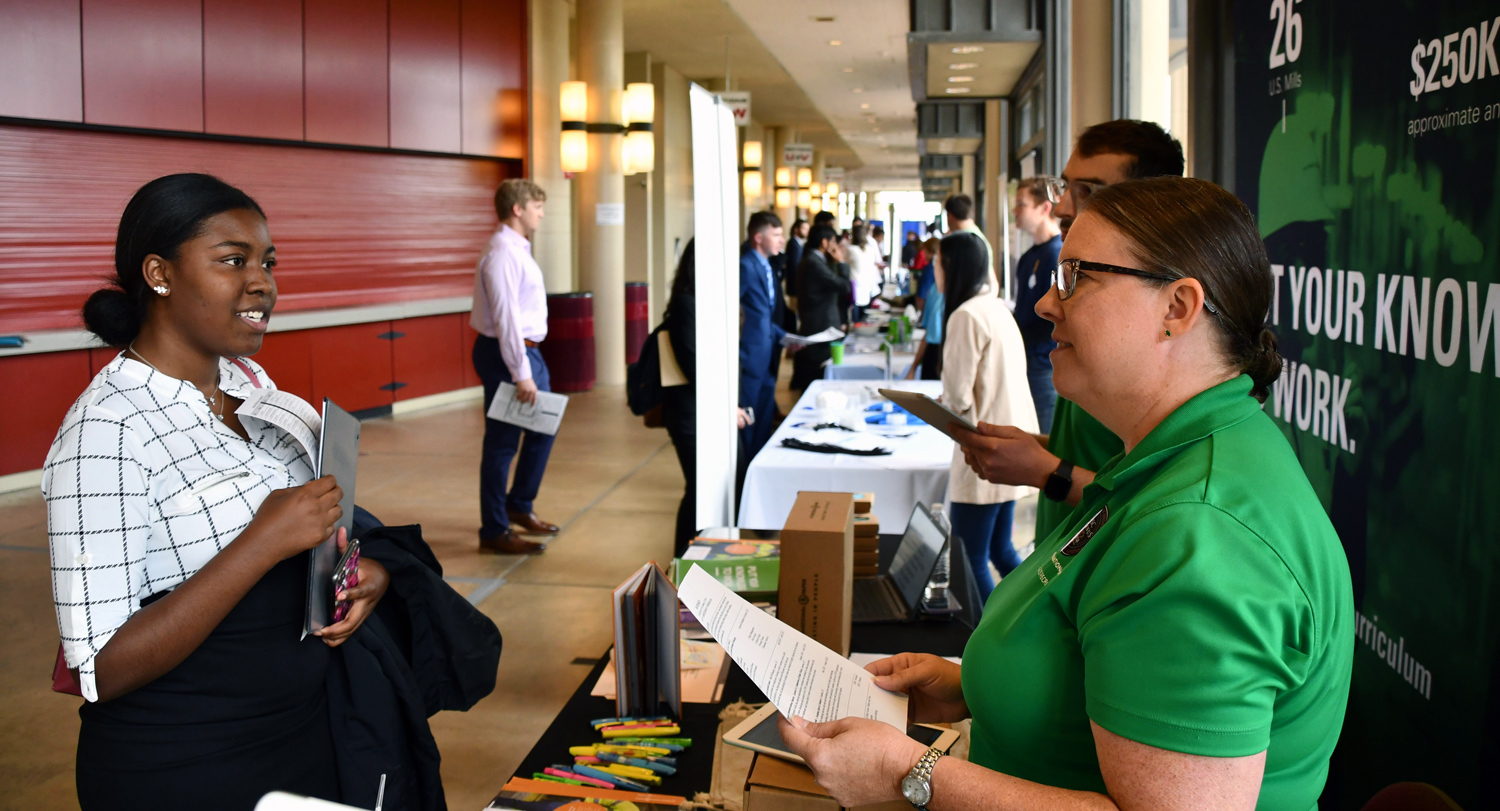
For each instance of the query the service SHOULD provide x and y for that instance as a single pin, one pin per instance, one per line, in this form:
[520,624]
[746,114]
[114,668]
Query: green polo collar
[1210,410]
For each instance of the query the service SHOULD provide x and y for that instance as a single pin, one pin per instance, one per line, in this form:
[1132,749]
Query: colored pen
[618,732]
[568,774]
[659,768]
[617,780]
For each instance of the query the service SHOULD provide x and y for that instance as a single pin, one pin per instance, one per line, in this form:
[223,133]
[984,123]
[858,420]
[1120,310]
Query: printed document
[798,674]
[543,416]
[826,336]
[288,412]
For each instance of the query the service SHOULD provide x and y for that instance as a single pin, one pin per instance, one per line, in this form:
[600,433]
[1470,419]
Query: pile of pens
[635,755]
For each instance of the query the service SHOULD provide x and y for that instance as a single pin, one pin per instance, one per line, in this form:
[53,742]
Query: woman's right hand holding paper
[933,684]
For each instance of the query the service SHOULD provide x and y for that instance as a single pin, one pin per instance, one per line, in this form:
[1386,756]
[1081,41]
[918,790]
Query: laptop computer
[897,595]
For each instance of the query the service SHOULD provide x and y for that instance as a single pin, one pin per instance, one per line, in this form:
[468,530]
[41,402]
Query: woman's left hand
[857,760]
[373,580]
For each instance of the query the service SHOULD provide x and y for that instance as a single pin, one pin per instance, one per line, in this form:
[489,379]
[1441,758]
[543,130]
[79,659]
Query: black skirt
[245,714]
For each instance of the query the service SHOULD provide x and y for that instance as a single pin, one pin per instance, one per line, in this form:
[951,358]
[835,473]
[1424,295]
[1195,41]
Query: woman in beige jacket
[984,379]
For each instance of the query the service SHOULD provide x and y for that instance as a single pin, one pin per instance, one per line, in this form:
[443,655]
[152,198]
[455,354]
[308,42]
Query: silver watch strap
[923,770]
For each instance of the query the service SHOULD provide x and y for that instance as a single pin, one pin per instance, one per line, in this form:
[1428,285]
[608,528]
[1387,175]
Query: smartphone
[345,576]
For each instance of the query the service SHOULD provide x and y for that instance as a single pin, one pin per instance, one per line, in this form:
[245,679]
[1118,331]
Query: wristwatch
[1060,483]
[916,786]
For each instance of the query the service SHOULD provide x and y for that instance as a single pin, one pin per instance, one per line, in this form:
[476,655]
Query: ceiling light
[864,106]
[959,79]
[859,90]
[956,89]
[848,70]
[963,66]
[818,19]
[968,49]
[835,42]
[874,129]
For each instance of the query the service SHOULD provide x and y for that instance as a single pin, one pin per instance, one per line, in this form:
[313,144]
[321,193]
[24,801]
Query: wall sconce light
[804,199]
[638,147]
[573,103]
[804,177]
[752,184]
[833,188]
[783,177]
[640,144]
[817,190]
[752,154]
[815,205]
[783,197]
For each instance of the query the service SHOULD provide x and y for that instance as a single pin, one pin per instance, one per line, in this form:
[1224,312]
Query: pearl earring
[161,290]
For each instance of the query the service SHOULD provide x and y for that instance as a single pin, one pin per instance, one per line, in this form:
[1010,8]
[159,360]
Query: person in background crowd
[864,258]
[1063,461]
[928,359]
[825,218]
[877,236]
[791,260]
[910,250]
[1186,638]
[960,210]
[1034,215]
[760,335]
[510,315]
[822,282]
[178,528]
[983,374]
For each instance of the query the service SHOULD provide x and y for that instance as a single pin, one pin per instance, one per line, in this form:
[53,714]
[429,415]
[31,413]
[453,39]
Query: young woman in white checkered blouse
[177,527]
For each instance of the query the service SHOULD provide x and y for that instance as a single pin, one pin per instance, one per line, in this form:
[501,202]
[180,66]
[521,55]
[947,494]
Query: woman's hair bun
[1263,364]
[114,316]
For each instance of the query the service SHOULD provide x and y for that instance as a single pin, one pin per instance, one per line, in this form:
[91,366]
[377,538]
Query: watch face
[915,791]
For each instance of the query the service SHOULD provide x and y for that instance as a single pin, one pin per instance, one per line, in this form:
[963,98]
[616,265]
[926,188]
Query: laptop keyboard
[873,602]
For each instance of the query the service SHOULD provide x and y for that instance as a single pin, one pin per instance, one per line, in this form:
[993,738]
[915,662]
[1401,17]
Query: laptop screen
[916,556]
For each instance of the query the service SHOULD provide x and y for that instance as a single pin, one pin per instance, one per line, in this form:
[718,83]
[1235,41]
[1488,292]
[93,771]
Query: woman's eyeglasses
[1065,277]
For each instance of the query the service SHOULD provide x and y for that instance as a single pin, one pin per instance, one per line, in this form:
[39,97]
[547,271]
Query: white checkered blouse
[144,486]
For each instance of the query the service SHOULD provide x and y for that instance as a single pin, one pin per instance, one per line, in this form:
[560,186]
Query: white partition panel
[716,216]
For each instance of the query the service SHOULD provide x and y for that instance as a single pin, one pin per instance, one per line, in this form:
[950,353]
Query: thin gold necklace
[213,401]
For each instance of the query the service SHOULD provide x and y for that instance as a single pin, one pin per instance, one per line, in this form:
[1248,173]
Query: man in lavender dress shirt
[510,314]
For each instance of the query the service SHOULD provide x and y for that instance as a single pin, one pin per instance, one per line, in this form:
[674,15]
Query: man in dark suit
[760,335]
[822,282]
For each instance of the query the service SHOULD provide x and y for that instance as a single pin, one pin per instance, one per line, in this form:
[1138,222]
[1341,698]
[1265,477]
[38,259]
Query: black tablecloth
[701,721]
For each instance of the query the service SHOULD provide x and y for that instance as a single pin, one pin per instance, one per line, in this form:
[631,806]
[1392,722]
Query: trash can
[637,319]
[569,348]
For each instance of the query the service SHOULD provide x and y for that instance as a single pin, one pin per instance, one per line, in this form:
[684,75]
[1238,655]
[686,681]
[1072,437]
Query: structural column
[552,245]
[601,190]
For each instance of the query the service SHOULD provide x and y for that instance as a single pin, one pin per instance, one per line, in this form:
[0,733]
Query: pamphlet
[826,336]
[797,673]
[288,412]
[543,416]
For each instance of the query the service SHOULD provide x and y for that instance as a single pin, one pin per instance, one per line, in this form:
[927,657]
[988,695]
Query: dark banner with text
[1365,142]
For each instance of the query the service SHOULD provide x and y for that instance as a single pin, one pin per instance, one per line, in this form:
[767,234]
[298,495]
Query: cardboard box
[864,503]
[779,785]
[816,594]
[865,559]
[866,526]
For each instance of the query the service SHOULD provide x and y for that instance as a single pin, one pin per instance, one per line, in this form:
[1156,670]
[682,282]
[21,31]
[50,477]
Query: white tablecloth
[917,470]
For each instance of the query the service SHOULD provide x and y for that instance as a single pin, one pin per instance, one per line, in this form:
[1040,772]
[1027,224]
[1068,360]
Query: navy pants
[763,400]
[985,529]
[1039,377]
[502,440]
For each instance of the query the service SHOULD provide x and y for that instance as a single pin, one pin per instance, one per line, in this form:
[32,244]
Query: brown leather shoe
[531,524]
[510,544]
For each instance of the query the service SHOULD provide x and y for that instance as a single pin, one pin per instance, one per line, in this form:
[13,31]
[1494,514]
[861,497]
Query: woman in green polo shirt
[1184,639]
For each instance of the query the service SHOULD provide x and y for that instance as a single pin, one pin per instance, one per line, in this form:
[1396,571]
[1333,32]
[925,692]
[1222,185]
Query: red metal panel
[100,358]
[143,63]
[427,357]
[467,334]
[351,228]
[350,365]
[41,60]
[494,78]
[425,75]
[50,382]
[252,68]
[347,73]
[287,358]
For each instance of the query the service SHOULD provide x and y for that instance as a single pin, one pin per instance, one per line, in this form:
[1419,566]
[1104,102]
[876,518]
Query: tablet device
[758,733]
[927,409]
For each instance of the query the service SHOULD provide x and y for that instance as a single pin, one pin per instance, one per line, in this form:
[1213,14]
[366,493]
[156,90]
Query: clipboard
[338,455]
[927,409]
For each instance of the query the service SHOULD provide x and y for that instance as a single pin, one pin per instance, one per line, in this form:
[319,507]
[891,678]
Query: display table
[916,470]
[700,722]
[869,350]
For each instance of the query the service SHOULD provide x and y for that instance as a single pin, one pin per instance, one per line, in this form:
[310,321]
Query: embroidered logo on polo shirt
[1075,544]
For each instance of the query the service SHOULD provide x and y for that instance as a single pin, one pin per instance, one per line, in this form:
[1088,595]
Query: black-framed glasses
[1058,188]
[1065,278]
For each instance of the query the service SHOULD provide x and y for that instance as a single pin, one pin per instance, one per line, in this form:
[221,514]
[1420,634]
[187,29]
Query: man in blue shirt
[760,335]
[1034,215]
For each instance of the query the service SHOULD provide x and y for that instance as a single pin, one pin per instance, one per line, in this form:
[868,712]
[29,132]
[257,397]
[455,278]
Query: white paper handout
[798,674]
[288,412]
[826,336]
[543,416]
